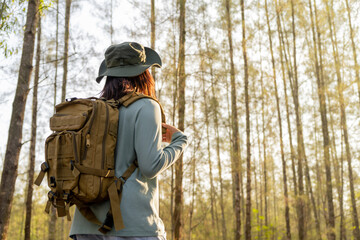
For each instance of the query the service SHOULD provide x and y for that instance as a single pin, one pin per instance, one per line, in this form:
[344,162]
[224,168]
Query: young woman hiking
[139,138]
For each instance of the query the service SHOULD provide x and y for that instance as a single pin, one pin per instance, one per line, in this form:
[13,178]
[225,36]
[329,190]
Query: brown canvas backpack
[79,158]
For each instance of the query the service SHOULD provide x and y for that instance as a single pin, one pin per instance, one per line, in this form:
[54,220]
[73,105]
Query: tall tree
[287,209]
[299,131]
[215,110]
[306,166]
[207,126]
[235,152]
[247,110]
[261,146]
[66,48]
[340,89]
[283,55]
[14,144]
[324,124]
[337,166]
[178,210]
[264,146]
[30,188]
[174,105]
[193,170]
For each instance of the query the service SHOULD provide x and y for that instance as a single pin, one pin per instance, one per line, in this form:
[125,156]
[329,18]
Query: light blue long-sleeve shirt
[139,137]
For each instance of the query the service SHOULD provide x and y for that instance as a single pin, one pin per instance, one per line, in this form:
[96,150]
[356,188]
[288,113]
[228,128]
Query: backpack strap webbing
[134,96]
[86,211]
[114,217]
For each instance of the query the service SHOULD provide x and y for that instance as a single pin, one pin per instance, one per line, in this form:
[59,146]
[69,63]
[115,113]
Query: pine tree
[13,147]
[248,146]
[235,152]
[178,210]
[287,209]
[30,187]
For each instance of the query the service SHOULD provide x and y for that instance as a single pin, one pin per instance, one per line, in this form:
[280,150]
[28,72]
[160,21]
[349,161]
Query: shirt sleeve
[152,158]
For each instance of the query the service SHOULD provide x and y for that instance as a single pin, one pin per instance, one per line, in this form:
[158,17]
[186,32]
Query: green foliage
[12,15]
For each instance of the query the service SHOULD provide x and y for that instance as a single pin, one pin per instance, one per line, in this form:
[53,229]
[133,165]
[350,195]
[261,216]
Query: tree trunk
[340,87]
[282,56]
[217,137]
[193,175]
[33,136]
[265,168]
[248,146]
[9,173]
[66,49]
[300,140]
[348,158]
[326,140]
[174,101]
[318,169]
[287,209]
[325,130]
[181,114]
[312,198]
[235,153]
[343,231]
[259,205]
[337,168]
[209,162]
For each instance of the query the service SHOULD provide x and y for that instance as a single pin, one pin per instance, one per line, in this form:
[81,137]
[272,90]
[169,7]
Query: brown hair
[117,87]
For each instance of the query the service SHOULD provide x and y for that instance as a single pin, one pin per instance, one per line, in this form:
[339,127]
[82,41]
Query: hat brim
[152,59]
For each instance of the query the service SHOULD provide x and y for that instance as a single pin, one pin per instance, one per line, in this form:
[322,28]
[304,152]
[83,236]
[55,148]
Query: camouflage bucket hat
[128,59]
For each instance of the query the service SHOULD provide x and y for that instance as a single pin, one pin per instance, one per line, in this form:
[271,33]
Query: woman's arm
[152,158]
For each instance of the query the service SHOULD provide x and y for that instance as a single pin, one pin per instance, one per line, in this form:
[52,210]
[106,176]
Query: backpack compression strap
[114,217]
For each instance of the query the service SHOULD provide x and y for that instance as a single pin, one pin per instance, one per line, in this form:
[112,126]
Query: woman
[139,137]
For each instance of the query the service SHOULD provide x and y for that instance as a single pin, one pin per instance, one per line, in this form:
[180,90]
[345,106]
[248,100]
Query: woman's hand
[170,130]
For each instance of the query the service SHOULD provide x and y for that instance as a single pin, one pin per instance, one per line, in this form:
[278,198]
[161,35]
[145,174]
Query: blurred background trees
[268,92]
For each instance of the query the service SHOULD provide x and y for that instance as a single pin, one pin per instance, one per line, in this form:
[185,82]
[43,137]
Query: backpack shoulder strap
[132,97]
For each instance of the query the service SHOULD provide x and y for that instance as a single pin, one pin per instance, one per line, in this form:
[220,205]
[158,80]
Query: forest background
[268,91]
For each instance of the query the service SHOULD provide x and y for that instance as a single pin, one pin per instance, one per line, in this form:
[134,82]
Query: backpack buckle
[44,167]
[51,195]
[122,179]
[66,197]
[52,182]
